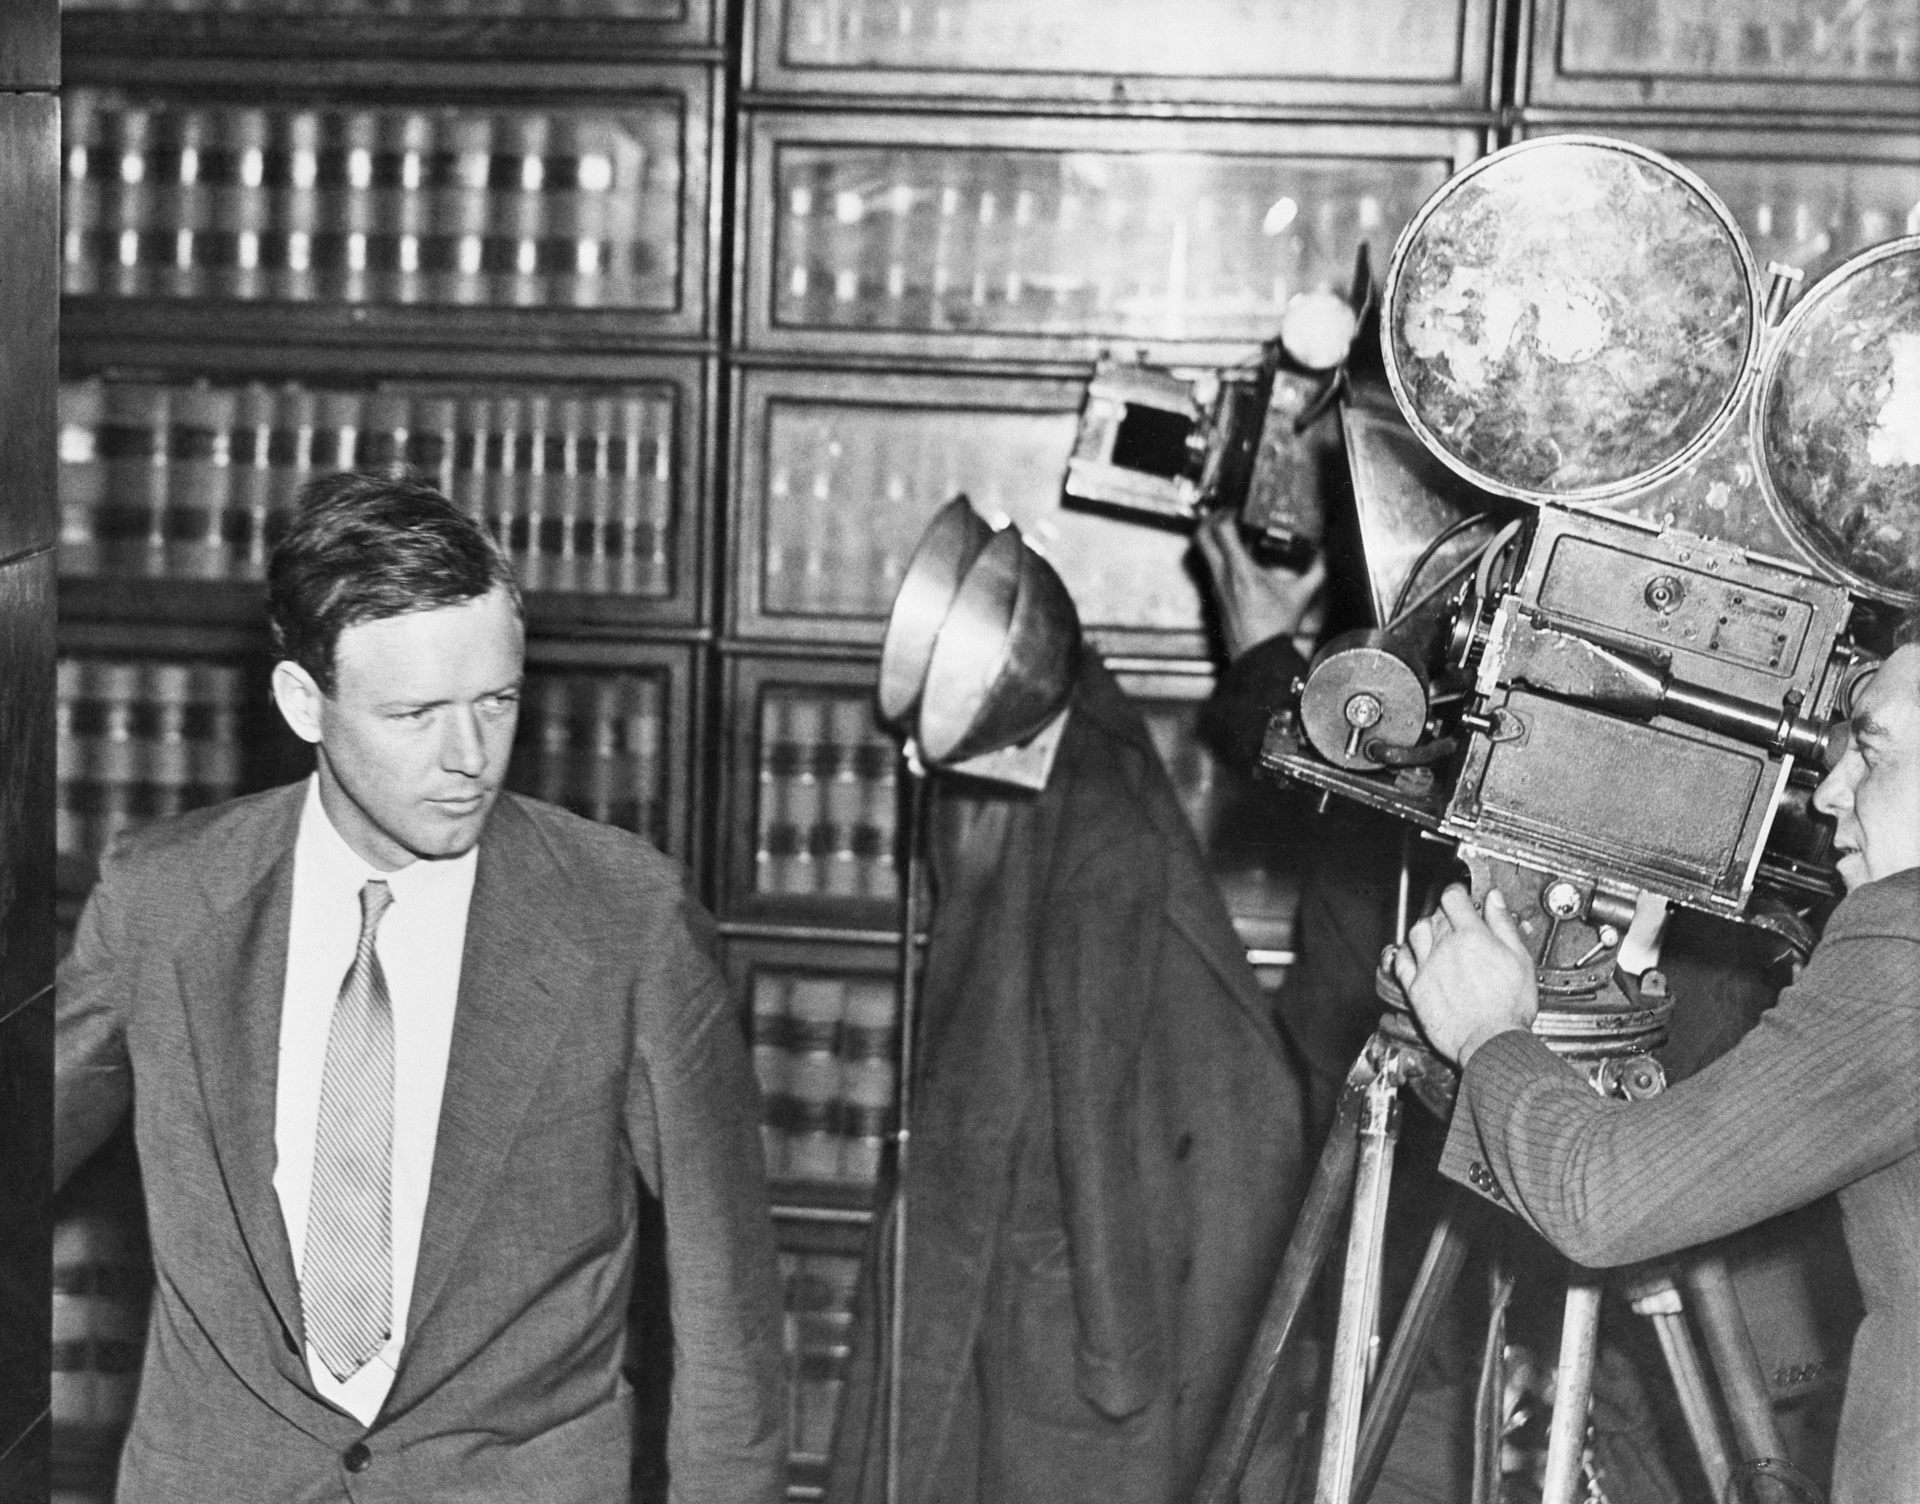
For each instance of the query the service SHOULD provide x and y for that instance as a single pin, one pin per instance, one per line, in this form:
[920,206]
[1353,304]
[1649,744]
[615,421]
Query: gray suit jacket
[1819,1097]
[593,1038]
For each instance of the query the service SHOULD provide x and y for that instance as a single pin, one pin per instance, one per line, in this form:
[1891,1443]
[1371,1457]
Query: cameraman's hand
[1256,601]
[1468,978]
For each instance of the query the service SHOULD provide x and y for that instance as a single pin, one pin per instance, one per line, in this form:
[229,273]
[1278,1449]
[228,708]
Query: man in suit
[1819,1097]
[399,1047]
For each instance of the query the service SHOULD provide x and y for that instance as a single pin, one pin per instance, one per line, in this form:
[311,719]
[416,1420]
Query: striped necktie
[346,1278]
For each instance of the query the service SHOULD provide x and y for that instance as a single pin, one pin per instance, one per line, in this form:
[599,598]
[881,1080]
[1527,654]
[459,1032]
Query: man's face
[1873,792]
[413,742]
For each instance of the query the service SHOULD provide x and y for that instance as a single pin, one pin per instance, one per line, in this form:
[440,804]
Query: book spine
[199,486]
[815,1005]
[433,443]
[511,450]
[842,796]
[352,267]
[869,1079]
[132,523]
[292,448]
[473,458]
[294,197]
[771,1046]
[876,837]
[518,227]
[250,482]
[239,211]
[645,739]
[775,835]
[182,141]
[601,442]
[88,166]
[82,481]
[129,212]
[117,763]
[73,736]
[463,206]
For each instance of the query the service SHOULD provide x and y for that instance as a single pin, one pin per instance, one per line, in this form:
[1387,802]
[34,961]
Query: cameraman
[1820,1096]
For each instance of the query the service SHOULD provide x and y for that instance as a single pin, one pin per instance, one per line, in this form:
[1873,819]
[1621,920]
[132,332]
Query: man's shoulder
[604,861]
[608,887]
[1888,908]
[235,829]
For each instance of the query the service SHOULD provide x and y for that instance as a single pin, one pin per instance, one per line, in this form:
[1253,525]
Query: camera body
[1169,448]
[1611,704]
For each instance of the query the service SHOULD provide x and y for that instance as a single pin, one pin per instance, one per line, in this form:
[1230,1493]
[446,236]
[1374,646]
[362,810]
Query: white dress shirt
[419,944]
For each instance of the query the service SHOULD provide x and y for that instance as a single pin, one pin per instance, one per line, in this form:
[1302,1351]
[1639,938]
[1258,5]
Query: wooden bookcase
[706,307]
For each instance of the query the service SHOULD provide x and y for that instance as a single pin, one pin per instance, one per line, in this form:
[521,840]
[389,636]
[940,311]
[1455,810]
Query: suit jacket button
[357,1457]
[1183,1146]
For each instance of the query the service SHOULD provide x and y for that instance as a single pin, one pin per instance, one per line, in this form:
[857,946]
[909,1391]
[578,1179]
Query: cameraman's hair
[1906,631]
[365,547]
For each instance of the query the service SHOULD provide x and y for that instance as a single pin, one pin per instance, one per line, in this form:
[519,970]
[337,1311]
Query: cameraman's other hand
[1256,601]
[1468,978]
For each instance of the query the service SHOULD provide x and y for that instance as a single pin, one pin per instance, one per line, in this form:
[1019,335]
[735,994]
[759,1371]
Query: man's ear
[298,697]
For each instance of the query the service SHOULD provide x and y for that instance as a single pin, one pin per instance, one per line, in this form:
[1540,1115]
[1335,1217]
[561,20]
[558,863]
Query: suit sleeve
[695,1118]
[93,1078]
[1817,1096]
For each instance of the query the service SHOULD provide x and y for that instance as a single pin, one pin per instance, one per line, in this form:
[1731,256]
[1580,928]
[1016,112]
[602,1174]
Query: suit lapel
[232,976]
[516,968]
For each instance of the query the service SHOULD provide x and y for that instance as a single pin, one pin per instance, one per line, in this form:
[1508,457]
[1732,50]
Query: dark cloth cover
[1107,1150]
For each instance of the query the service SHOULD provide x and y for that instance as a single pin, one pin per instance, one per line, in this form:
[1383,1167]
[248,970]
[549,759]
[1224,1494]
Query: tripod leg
[1660,1304]
[1490,1394]
[1439,1271]
[1572,1390]
[1358,1329]
[1307,1250]
[1742,1384]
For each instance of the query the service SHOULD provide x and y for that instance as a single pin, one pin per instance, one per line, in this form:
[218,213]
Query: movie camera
[1616,509]
[1622,519]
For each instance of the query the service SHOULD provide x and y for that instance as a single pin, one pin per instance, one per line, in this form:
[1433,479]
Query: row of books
[140,739]
[819,1297]
[849,488]
[635,10]
[825,1051]
[335,203]
[194,480]
[1807,39]
[102,1283]
[1384,39]
[1181,245]
[826,815]
[1178,245]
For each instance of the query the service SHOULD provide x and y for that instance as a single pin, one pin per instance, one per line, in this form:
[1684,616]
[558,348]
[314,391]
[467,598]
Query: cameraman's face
[1873,792]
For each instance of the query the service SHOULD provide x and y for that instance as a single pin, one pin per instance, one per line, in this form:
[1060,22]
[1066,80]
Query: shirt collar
[325,852]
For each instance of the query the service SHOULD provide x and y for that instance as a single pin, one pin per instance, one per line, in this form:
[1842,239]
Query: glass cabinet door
[1406,52]
[1036,239]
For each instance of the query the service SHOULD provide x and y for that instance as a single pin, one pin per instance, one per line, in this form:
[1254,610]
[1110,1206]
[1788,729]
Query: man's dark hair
[364,547]
[1906,631]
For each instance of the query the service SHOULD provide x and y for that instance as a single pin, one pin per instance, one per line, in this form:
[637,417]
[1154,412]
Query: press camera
[1154,443]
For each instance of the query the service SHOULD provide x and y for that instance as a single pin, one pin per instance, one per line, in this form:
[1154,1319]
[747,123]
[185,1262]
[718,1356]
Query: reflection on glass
[1150,245]
[1402,40]
[596,743]
[1815,214]
[337,203]
[1866,41]
[850,488]
[633,10]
